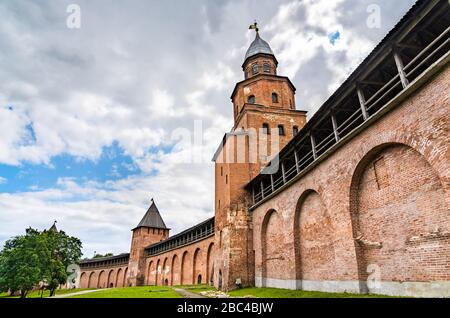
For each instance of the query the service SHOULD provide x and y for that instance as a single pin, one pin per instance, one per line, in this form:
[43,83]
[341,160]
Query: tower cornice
[266,110]
[261,77]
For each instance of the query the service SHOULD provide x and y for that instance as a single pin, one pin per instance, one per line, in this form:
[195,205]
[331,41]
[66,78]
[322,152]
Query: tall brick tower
[265,120]
[150,230]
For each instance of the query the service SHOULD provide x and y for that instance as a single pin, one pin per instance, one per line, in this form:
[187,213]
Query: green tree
[23,262]
[37,257]
[64,250]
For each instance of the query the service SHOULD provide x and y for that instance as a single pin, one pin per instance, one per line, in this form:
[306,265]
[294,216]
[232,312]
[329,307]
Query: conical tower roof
[258,46]
[53,227]
[152,218]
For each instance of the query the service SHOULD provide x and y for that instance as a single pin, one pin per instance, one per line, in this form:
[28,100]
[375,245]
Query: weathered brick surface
[315,240]
[182,266]
[142,237]
[382,198]
[234,236]
[103,277]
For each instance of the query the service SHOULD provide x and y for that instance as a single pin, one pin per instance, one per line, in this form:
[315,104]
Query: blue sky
[113,164]
[97,121]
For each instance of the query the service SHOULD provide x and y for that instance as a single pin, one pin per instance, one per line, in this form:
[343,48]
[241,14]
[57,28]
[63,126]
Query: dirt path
[77,293]
[187,294]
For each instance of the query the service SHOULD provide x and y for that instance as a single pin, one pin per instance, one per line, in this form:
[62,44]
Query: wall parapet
[362,99]
[194,234]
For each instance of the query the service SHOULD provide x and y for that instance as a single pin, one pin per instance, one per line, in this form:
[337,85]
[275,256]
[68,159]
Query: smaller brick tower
[150,230]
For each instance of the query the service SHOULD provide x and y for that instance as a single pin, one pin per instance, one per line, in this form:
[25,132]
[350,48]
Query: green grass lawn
[37,293]
[133,292]
[197,289]
[169,292]
[287,293]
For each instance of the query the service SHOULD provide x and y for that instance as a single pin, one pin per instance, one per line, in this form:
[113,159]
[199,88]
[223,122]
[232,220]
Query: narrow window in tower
[266,128]
[266,68]
[251,99]
[281,130]
[221,171]
[274,98]
[295,131]
[226,179]
[219,204]
[255,68]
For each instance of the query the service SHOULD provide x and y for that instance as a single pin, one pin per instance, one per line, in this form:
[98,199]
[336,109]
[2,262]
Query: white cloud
[102,214]
[3,180]
[134,77]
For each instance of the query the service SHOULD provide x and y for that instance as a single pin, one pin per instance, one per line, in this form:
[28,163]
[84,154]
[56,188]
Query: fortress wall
[187,265]
[377,209]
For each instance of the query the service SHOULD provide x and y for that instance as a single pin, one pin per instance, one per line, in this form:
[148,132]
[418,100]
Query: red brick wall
[399,201]
[233,171]
[164,268]
[103,277]
[315,242]
[388,185]
[271,250]
[182,266]
[262,87]
[142,237]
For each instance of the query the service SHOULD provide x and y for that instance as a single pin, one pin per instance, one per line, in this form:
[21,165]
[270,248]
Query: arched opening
[158,272]
[83,280]
[119,278]
[125,278]
[210,264]
[275,98]
[255,69]
[399,217]
[111,278]
[186,269]
[175,271]
[198,264]
[273,260]
[314,240]
[251,99]
[166,282]
[150,276]
[102,280]
[92,283]
[199,279]
[165,270]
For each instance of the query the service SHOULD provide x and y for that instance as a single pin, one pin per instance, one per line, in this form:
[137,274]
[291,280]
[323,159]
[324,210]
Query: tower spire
[53,227]
[254,26]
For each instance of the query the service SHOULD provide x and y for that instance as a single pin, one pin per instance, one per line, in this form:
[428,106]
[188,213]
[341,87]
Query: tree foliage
[64,250]
[37,258]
